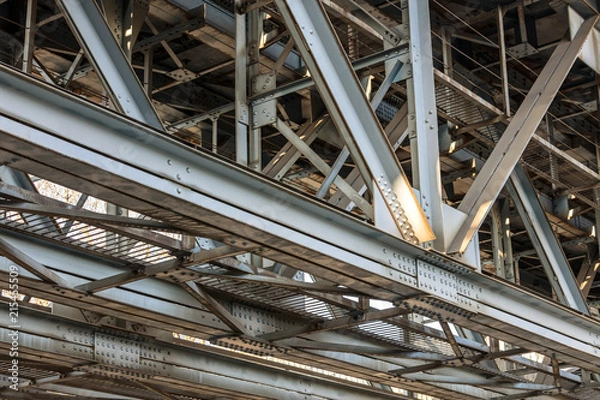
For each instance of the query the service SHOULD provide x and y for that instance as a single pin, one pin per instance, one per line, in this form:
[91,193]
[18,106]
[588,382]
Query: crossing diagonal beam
[109,61]
[396,132]
[322,166]
[353,116]
[215,307]
[498,167]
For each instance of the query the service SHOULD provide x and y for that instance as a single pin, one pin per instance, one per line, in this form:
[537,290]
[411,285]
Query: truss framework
[224,279]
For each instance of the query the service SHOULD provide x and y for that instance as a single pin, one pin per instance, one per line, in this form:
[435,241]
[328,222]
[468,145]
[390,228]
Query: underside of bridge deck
[299,199]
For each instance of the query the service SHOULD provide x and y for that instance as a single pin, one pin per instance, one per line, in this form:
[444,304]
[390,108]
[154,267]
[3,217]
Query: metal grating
[276,298]
[86,237]
[388,332]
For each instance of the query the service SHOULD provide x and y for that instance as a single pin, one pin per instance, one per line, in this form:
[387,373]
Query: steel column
[29,41]
[423,124]
[242,112]
[503,69]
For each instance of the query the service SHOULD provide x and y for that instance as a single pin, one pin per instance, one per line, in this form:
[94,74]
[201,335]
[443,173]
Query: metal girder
[30,27]
[361,365]
[398,52]
[345,153]
[354,118]
[171,33]
[450,336]
[210,197]
[123,278]
[134,228]
[194,368]
[289,154]
[242,112]
[367,17]
[109,61]
[66,79]
[569,158]
[588,271]
[285,159]
[145,305]
[279,281]
[505,155]
[81,215]
[391,351]
[546,244]
[197,321]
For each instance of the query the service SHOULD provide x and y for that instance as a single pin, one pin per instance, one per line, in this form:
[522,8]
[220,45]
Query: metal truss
[299,199]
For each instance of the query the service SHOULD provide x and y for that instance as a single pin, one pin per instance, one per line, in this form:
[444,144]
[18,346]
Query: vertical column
[127,23]
[497,243]
[148,65]
[241,86]
[214,133]
[503,69]
[423,124]
[28,44]
[509,272]
[254,42]
[447,53]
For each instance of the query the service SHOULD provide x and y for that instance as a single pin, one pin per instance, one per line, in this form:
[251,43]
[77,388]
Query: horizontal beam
[398,52]
[279,281]
[338,323]
[194,368]
[171,33]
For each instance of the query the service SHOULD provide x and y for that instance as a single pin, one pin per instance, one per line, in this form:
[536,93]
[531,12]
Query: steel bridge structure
[299,199]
